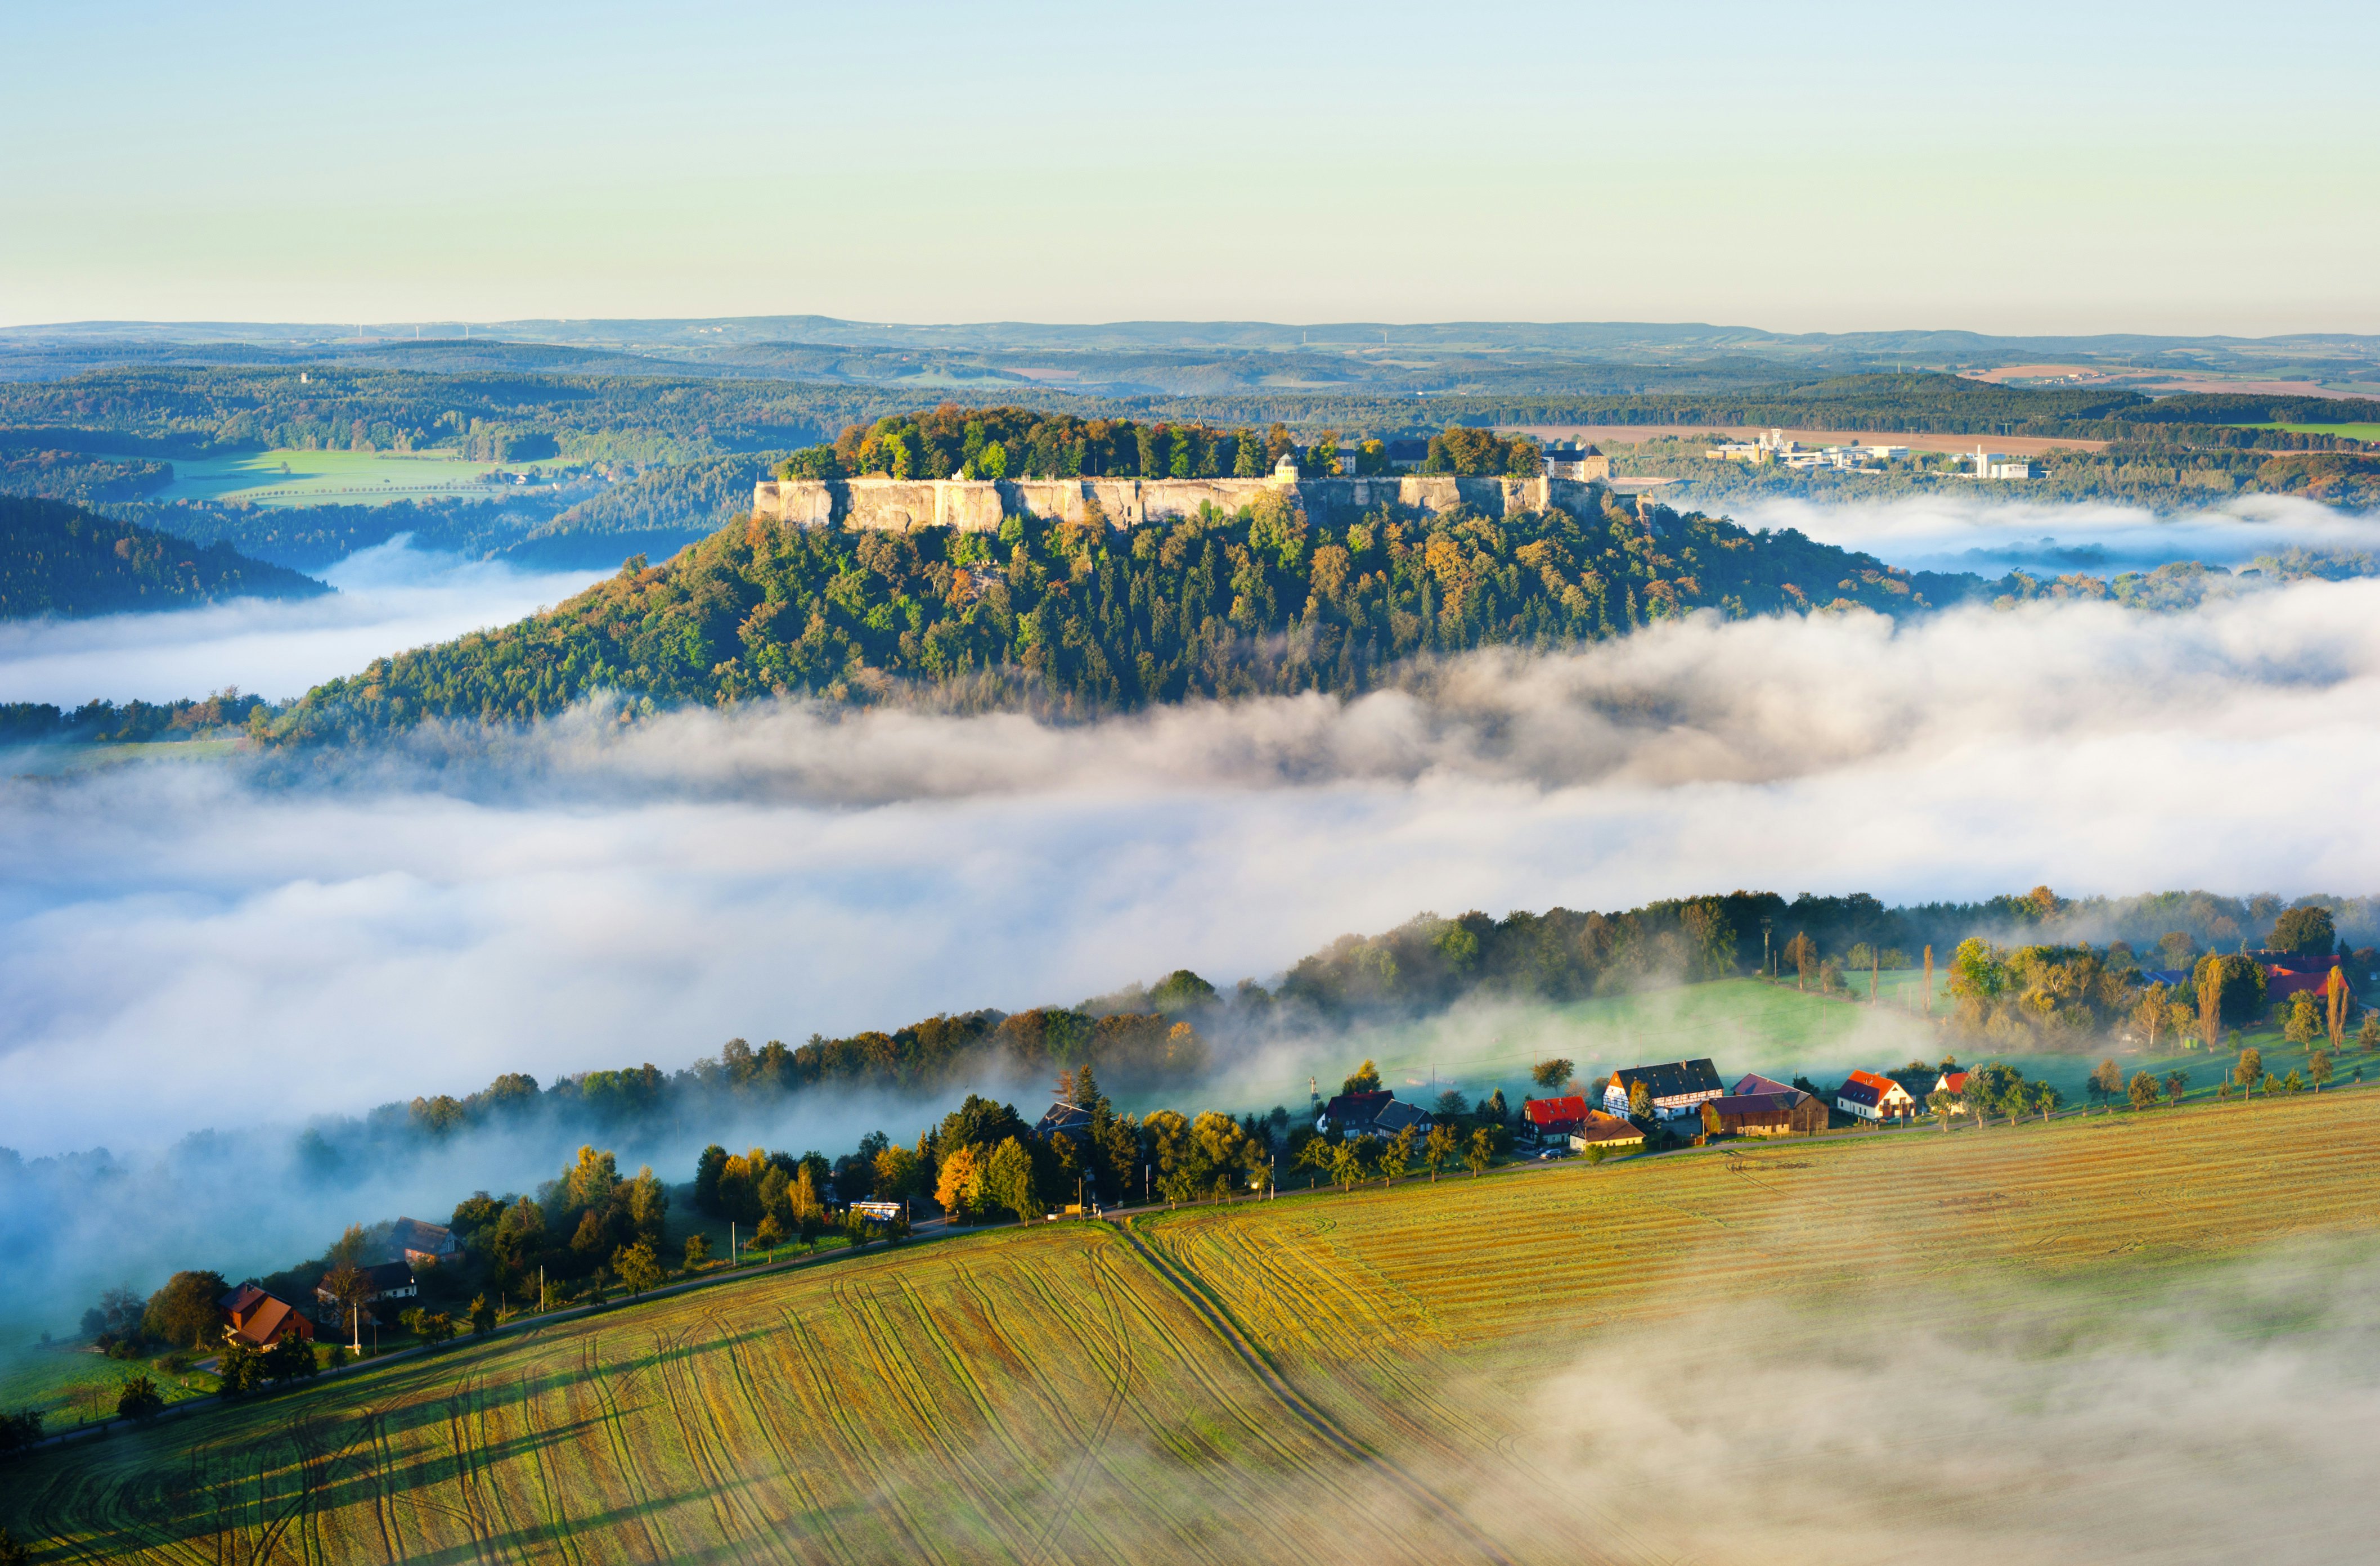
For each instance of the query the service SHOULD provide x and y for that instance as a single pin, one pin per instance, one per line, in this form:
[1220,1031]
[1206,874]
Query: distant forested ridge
[1093,620]
[60,558]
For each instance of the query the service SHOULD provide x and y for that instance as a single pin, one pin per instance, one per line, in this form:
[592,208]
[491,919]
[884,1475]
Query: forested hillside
[59,559]
[1090,620]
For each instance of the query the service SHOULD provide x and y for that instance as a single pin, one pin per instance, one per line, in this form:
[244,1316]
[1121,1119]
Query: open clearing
[1744,1025]
[2344,431]
[328,477]
[1316,1379]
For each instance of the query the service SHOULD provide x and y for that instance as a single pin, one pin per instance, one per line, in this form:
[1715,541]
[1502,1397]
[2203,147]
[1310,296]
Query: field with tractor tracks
[1386,1376]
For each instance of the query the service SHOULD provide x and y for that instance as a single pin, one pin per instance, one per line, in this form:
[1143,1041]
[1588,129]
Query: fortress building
[979,505]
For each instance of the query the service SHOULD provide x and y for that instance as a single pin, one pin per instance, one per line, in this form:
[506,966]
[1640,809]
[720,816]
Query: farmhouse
[260,1318]
[1871,1096]
[423,1245]
[1071,1119]
[1553,1120]
[389,1281]
[2289,975]
[1370,1114]
[1954,1083]
[1763,1115]
[1677,1089]
[1610,1133]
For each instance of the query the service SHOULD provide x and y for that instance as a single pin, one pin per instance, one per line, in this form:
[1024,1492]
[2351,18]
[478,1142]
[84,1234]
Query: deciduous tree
[1437,1149]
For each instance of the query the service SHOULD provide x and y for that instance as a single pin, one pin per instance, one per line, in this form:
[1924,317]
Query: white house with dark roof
[1678,1088]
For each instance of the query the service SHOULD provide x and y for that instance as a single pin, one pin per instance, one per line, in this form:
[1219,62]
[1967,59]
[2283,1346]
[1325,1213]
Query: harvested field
[1313,1379]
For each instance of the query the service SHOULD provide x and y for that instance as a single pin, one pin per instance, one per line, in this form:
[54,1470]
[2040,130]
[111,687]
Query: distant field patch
[319,478]
[2344,431]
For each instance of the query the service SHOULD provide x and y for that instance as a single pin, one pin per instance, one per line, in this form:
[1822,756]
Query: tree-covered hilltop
[59,559]
[1087,619]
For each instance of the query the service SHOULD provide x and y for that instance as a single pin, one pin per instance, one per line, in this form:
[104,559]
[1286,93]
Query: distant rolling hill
[62,560]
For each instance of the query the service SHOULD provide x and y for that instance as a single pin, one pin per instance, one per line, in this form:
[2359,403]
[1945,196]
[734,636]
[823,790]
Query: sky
[2014,168]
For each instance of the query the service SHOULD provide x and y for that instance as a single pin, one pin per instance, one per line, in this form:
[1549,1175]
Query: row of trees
[1021,443]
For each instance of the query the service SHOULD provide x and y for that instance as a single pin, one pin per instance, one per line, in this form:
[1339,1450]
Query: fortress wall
[979,505]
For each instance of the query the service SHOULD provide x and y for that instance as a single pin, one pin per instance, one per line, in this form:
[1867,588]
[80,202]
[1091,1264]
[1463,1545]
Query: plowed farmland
[1313,1379]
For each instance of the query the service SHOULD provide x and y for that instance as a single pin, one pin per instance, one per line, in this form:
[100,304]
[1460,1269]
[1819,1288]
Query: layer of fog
[2212,1419]
[184,947]
[1964,532]
[390,596]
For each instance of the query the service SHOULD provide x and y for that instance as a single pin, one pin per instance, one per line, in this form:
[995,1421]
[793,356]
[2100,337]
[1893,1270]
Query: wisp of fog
[389,598]
[604,895]
[1950,531]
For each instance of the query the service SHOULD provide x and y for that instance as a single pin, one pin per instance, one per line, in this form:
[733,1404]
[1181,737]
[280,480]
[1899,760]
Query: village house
[1784,1112]
[390,1282]
[260,1318]
[1553,1122]
[1954,1083]
[423,1245]
[1376,1113]
[1875,1098]
[2289,975]
[1677,1089]
[1071,1119]
[1610,1133]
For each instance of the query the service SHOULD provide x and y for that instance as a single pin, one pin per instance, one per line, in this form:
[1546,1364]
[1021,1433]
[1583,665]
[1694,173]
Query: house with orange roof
[1874,1097]
[260,1318]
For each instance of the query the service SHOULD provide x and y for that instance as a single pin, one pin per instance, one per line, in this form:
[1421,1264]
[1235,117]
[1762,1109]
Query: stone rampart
[979,505]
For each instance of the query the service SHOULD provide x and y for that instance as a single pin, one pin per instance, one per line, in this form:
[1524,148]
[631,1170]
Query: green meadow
[2345,431]
[326,477]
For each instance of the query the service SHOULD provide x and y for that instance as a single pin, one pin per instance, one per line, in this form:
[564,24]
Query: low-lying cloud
[1953,531]
[2219,1420]
[389,598]
[187,946]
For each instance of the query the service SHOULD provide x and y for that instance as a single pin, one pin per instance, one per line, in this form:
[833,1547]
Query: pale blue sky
[1830,167]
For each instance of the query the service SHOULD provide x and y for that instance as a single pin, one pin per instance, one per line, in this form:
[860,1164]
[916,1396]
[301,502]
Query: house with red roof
[260,1318]
[1874,1097]
[1552,1122]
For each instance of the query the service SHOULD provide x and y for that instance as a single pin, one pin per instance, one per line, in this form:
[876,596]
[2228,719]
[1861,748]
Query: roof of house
[389,1275]
[1396,1114]
[2282,983]
[431,1239]
[1758,1103]
[1601,1127]
[1671,1079]
[1870,1093]
[1543,1113]
[242,1298]
[1356,1108]
[2165,976]
[1953,1082]
[267,1320]
[1883,1087]
[1063,1116]
[1755,1083]
[2297,962]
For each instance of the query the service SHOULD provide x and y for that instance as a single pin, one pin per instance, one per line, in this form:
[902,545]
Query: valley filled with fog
[236,945]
